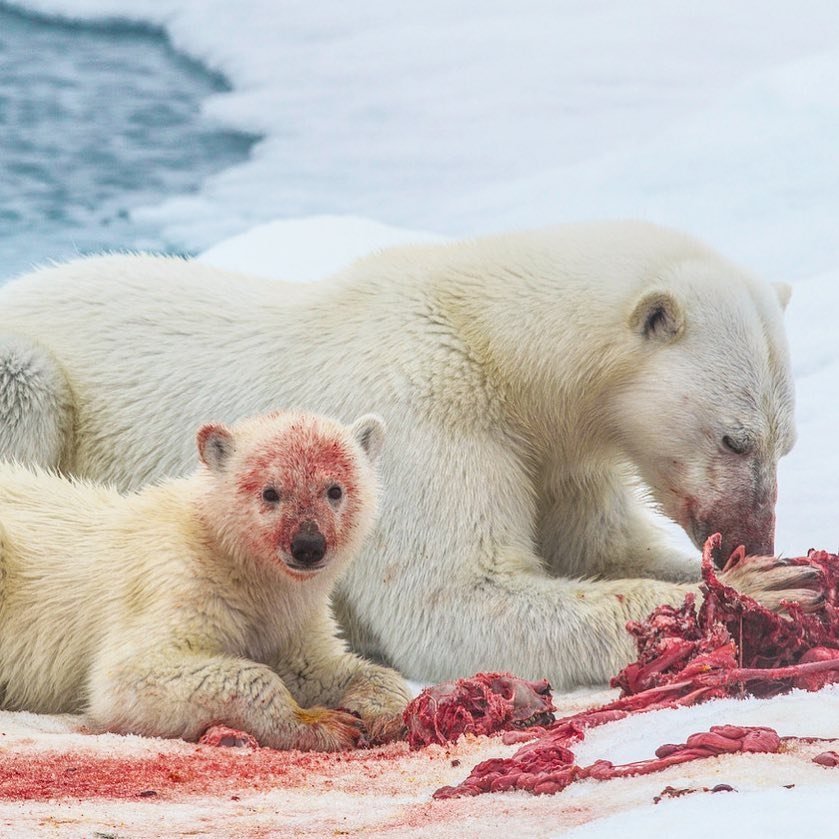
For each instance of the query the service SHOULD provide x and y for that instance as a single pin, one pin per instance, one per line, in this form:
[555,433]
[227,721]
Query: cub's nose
[308,545]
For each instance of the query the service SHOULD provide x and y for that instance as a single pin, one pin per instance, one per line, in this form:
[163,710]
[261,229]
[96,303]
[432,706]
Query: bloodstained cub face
[299,489]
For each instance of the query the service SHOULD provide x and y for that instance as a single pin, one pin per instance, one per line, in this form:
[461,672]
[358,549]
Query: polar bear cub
[203,600]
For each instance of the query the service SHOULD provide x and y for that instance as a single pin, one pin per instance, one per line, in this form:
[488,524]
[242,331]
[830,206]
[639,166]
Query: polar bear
[199,601]
[528,381]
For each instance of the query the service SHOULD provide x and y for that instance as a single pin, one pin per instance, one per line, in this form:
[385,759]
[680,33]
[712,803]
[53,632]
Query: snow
[797,714]
[760,813]
[763,805]
[387,792]
[462,118]
[301,250]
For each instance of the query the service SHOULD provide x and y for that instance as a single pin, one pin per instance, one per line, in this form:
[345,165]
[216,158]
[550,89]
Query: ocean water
[95,121]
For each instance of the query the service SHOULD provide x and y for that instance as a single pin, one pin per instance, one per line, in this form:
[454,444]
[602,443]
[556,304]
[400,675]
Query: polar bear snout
[757,537]
[752,526]
[308,546]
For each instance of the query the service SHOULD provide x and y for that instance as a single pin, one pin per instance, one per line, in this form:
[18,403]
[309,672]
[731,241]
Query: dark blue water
[94,122]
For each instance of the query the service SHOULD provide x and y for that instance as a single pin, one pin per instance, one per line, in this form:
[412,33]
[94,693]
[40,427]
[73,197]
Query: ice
[459,118]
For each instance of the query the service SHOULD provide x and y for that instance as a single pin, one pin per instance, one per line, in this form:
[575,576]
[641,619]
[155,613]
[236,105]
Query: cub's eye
[270,495]
[334,492]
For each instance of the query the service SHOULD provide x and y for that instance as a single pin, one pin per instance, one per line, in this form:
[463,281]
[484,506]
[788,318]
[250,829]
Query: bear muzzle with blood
[300,496]
[741,510]
[308,546]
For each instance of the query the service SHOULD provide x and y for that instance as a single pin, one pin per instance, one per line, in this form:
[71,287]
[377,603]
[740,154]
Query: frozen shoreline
[468,119]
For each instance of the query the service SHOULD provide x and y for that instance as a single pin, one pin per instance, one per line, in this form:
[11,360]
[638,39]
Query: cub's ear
[657,317]
[215,445]
[783,291]
[369,431]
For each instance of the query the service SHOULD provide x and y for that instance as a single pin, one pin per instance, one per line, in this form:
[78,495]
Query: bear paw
[331,730]
[384,728]
[772,580]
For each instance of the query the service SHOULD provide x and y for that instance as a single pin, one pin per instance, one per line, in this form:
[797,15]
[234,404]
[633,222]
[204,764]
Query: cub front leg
[322,671]
[378,694]
[183,695]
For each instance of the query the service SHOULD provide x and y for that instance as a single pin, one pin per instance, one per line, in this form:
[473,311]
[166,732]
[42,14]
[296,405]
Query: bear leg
[36,405]
[319,671]
[183,696]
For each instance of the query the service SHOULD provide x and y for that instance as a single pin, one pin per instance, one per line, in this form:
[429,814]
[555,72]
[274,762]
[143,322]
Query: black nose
[308,546]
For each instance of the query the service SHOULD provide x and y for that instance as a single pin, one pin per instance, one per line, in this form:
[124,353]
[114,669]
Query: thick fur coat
[528,381]
[199,601]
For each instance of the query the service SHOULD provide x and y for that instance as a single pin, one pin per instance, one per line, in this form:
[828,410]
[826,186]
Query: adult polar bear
[525,380]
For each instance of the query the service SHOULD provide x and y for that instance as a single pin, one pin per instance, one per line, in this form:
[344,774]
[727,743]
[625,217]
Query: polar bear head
[708,410]
[290,489]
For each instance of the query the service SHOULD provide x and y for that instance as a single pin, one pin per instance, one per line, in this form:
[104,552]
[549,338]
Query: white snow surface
[460,118]
[306,249]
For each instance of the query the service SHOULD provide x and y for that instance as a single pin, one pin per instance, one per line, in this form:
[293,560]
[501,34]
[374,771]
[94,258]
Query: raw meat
[733,632]
[484,704]
[547,765]
[730,646]
[222,735]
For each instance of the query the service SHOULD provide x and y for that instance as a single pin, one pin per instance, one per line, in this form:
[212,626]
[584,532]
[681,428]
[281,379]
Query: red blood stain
[202,771]
[301,463]
[298,456]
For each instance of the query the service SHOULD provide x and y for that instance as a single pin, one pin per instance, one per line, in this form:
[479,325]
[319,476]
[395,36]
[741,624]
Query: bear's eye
[270,495]
[737,445]
[334,492]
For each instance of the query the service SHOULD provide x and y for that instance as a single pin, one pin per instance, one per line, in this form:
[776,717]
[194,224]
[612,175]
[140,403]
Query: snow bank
[459,118]
[307,249]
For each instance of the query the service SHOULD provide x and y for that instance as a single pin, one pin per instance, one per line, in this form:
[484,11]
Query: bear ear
[215,445]
[658,316]
[783,291]
[369,431]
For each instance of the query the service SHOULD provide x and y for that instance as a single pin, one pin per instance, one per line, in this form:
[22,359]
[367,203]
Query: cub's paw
[384,728]
[330,730]
[379,696]
[771,580]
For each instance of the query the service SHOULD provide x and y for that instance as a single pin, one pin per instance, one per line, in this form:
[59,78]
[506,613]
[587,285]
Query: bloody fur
[301,464]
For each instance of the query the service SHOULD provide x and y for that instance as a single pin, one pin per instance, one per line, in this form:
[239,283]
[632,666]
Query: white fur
[526,381]
[148,611]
